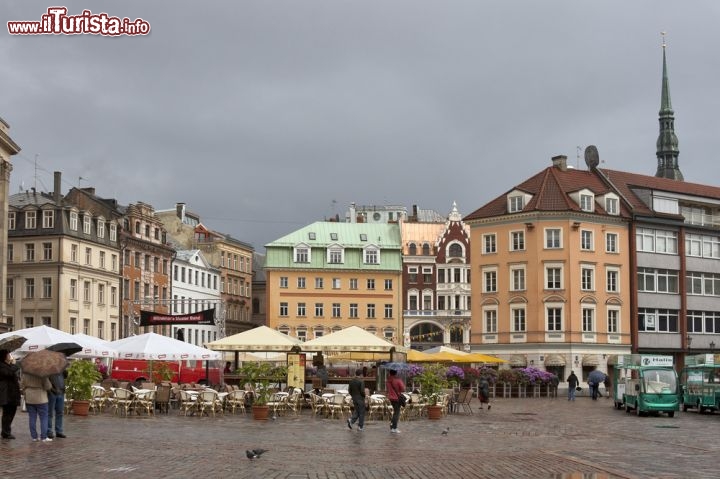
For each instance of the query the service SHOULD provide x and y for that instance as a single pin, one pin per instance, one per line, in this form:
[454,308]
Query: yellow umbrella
[481,358]
[415,356]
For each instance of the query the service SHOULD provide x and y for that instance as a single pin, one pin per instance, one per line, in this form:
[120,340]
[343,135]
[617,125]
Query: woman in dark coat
[9,392]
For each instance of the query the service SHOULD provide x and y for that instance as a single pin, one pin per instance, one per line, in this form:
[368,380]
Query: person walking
[36,400]
[56,406]
[357,392]
[9,392]
[394,387]
[554,382]
[573,382]
[484,392]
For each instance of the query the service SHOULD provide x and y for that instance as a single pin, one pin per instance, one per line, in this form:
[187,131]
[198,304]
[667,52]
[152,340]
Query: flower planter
[80,408]
[434,412]
[260,413]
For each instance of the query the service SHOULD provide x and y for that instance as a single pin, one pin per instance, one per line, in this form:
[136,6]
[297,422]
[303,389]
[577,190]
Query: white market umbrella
[261,338]
[94,347]
[41,337]
[152,346]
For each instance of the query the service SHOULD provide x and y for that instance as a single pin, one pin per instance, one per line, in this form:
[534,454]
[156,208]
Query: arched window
[412,250]
[426,250]
[455,251]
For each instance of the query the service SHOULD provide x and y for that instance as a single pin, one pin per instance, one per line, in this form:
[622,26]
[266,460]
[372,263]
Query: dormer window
[333,236]
[87,224]
[302,254]
[372,255]
[311,235]
[30,220]
[517,203]
[101,228]
[48,219]
[335,255]
[73,220]
[612,205]
[363,237]
[586,202]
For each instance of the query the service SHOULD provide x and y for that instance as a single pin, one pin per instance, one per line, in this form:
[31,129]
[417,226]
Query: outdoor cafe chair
[99,399]
[122,400]
[188,402]
[295,402]
[209,400]
[336,404]
[278,403]
[162,397]
[235,400]
[317,404]
[464,400]
[145,401]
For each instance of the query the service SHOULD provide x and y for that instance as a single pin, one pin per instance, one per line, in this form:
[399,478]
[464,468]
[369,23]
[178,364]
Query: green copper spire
[667,142]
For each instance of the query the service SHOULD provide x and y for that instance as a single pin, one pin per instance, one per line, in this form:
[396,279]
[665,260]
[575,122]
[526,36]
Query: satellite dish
[592,159]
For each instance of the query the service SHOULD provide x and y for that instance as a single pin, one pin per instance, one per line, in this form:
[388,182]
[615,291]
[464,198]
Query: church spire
[667,142]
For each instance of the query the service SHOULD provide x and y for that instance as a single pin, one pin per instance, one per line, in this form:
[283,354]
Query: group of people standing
[44,400]
[593,382]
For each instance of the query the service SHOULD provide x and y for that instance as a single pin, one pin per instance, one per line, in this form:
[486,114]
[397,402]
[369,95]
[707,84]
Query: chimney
[180,211]
[560,162]
[353,214]
[56,187]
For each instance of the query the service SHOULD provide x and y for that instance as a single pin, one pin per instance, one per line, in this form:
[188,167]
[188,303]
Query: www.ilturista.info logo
[57,22]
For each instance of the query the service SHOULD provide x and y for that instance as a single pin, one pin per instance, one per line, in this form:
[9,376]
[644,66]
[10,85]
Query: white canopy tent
[93,344]
[261,338]
[353,338]
[152,346]
[40,337]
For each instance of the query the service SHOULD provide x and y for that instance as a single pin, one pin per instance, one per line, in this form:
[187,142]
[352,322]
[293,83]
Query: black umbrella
[12,342]
[66,348]
[596,377]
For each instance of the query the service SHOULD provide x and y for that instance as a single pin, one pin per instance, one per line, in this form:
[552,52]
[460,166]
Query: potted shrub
[81,375]
[432,380]
[160,371]
[261,375]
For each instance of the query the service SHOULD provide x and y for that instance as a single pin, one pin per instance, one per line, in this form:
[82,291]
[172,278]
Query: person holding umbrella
[9,392]
[594,379]
[36,400]
[56,395]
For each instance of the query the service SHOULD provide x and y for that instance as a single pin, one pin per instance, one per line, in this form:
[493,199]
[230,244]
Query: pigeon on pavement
[254,453]
[445,431]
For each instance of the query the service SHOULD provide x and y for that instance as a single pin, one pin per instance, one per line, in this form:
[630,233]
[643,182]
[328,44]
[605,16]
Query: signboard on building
[150,318]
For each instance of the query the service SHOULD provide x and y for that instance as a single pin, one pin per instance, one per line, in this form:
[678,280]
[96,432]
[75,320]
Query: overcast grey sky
[264,116]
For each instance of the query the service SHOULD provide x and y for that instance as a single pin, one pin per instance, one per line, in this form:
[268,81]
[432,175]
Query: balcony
[709,221]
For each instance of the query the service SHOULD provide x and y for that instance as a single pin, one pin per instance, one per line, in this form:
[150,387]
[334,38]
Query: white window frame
[489,242]
[490,319]
[371,255]
[613,328]
[612,205]
[48,220]
[514,310]
[587,240]
[587,202]
[588,270]
[302,254]
[74,220]
[520,235]
[30,220]
[588,313]
[553,266]
[283,282]
[612,244]
[609,273]
[553,238]
[87,224]
[518,272]
[489,279]
[516,203]
[335,255]
[12,220]
[553,307]
[101,228]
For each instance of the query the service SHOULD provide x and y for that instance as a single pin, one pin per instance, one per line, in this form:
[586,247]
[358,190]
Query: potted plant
[81,375]
[432,380]
[260,375]
[160,371]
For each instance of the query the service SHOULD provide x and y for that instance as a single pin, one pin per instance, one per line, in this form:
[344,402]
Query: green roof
[352,237]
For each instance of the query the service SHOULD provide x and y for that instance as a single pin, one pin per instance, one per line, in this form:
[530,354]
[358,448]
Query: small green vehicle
[700,383]
[646,384]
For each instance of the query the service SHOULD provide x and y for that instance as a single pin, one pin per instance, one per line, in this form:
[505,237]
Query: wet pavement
[518,438]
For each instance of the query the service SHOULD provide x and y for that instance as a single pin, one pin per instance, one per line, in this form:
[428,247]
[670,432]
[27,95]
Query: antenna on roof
[578,149]
[35,175]
[80,178]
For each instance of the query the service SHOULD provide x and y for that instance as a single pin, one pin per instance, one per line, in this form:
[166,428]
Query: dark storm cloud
[265,116]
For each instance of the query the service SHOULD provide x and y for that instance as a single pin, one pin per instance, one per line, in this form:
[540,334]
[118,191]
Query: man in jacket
[357,392]
[573,382]
[394,387]
[56,406]
[9,392]
[36,401]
